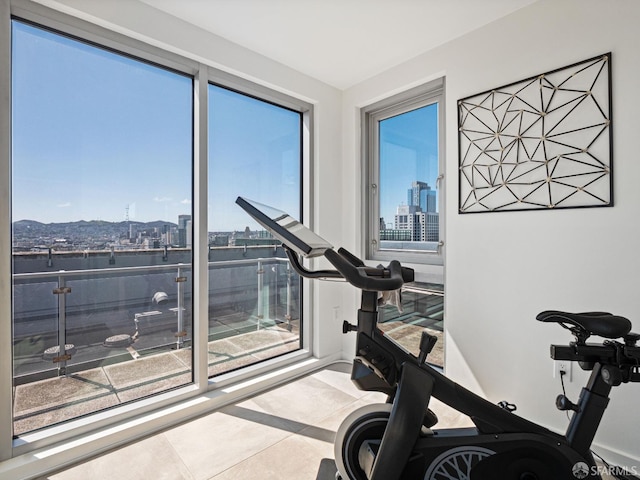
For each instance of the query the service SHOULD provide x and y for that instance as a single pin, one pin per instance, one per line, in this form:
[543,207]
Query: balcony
[422,309]
[90,339]
[125,332]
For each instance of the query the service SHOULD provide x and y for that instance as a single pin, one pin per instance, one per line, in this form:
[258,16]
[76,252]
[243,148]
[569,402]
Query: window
[422,309]
[403,138]
[102,176]
[255,151]
[105,235]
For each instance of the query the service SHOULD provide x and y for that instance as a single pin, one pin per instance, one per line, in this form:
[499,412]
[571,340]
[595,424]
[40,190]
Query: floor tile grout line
[177,453]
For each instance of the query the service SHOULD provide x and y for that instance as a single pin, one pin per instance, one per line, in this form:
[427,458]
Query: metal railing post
[287,317]
[260,273]
[63,356]
[181,333]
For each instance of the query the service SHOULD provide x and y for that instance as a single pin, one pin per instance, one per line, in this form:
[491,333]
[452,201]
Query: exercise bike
[396,441]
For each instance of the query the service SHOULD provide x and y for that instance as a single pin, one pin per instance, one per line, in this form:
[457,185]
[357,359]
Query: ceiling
[340,42]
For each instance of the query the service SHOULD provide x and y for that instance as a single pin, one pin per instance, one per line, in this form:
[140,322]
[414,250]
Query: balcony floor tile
[53,392]
[143,369]
[63,412]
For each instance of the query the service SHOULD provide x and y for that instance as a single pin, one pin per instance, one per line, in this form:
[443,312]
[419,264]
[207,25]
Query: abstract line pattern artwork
[541,143]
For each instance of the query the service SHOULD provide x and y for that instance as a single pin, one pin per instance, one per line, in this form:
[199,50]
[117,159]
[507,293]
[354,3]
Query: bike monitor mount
[286,228]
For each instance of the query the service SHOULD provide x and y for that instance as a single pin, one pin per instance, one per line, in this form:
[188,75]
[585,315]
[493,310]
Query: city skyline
[89,126]
[102,136]
[33,236]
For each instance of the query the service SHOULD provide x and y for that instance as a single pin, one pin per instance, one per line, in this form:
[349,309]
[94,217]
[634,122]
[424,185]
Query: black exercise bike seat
[601,324]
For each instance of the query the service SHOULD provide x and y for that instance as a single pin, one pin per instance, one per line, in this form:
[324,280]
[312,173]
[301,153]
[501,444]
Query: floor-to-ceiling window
[105,205]
[255,151]
[102,174]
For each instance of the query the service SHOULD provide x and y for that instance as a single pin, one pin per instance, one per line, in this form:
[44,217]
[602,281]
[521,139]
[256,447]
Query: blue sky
[254,151]
[408,153]
[96,135]
[95,132]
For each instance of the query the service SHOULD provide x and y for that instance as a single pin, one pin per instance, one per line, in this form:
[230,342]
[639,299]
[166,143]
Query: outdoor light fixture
[160,298]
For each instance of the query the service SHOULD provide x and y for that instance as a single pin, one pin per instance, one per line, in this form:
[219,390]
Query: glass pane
[101,188]
[254,297]
[408,155]
[422,309]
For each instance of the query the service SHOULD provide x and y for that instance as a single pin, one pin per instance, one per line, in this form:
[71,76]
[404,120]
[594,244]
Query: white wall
[502,269]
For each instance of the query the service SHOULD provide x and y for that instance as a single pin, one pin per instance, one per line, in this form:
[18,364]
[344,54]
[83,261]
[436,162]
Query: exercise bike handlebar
[353,270]
[366,278]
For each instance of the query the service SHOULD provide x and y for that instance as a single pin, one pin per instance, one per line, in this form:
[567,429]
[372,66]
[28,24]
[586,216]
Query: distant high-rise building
[169,236]
[429,226]
[421,195]
[184,230]
[404,218]
[189,229]
[182,221]
[419,217]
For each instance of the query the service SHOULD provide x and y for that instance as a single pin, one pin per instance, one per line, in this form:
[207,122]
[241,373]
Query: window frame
[217,78]
[203,74]
[220,78]
[430,93]
[61,24]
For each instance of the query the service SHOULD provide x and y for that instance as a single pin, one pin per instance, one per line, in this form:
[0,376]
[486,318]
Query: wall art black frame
[540,143]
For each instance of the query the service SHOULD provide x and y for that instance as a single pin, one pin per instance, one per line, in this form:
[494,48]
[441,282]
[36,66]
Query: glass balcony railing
[422,309]
[85,340]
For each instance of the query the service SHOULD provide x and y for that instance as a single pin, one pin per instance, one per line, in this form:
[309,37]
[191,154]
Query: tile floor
[285,433]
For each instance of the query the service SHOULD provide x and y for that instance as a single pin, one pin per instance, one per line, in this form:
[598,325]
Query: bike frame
[591,406]
[382,365]
[409,382]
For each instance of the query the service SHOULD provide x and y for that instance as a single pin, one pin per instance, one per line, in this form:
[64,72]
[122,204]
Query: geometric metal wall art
[541,143]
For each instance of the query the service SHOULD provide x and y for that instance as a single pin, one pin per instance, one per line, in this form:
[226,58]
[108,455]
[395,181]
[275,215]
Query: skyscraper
[184,230]
[421,195]
[419,216]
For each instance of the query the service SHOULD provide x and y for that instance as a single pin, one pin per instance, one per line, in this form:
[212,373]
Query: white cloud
[64,205]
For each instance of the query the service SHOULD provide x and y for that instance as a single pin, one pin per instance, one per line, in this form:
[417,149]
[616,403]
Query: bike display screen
[285,228]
